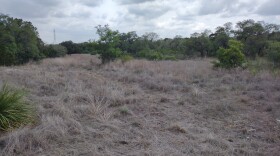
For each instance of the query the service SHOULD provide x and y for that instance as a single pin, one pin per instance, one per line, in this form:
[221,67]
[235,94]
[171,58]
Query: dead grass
[144,108]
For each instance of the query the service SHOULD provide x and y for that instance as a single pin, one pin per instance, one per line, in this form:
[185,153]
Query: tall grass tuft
[14,110]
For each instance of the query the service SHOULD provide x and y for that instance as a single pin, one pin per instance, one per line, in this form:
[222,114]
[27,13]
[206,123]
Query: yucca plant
[14,110]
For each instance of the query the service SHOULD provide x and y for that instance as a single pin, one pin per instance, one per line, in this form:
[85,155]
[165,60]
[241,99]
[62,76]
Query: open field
[144,108]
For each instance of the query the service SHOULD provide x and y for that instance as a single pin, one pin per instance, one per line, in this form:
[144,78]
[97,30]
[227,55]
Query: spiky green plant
[14,110]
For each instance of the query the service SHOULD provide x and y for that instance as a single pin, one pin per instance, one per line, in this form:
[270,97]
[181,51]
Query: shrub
[170,57]
[72,48]
[109,55]
[273,53]
[150,54]
[231,57]
[55,51]
[125,58]
[274,56]
[14,110]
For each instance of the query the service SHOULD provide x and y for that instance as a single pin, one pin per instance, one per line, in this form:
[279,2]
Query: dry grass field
[144,108]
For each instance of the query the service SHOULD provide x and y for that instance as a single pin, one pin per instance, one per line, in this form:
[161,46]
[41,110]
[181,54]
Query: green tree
[8,49]
[200,43]
[108,43]
[221,37]
[20,41]
[232,56]
[127,42]
[252,34]
[72,48]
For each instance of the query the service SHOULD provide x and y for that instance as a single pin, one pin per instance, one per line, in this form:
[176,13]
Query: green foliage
[72,48]
[156,55]
[79,48]
[231,57]
[253,35]
[150,54]
[220,38]
[8,50]
[129,42]
[126,58]
[124,110]
[110,54]
[108,43]
[86,48]
[19,41]
[200,43]
[259,64]
[14,110]
[274,56]
[55,51]
[169,57]
[273,53]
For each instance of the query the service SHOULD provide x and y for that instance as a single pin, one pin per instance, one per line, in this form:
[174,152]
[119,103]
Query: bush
[150,54]
[125,58]
[72,48]
[14,111]
[274,56]
[170,57]
[231,57]
[273,53]
[110,55]
[55,51]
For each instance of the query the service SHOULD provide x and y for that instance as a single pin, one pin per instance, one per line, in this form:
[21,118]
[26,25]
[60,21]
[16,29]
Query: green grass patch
[262,64]
[126,58]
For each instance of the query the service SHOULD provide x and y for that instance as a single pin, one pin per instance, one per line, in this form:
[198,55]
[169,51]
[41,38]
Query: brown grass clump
[144,108]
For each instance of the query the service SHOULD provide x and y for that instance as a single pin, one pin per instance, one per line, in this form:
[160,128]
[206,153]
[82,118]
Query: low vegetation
[54,51]
[14,110]
[144,108]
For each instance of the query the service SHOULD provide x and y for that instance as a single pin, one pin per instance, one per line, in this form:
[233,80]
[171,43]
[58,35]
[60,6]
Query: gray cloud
[134,1]
[271,7]
[148,12]
[75,19]
[185,18]
[59,14]
[91,3]
[82,14]
[227,8]
[215,6]
[29,8]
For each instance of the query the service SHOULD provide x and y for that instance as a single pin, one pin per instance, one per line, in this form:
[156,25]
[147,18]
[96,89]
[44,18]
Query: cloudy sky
[76,19]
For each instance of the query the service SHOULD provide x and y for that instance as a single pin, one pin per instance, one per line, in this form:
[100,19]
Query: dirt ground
[144,108]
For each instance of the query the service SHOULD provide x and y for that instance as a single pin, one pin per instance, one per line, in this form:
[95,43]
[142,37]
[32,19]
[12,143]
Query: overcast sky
[76,19]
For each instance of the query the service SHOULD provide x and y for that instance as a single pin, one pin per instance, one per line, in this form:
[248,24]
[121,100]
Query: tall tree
[253,36]
[200,42]
[108,43]
[21,39]
[221,37]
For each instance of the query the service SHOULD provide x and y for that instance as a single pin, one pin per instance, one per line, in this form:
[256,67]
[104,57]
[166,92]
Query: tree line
[257,39]
[20,43]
